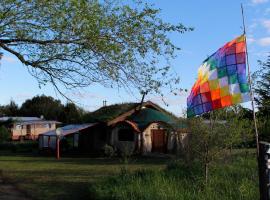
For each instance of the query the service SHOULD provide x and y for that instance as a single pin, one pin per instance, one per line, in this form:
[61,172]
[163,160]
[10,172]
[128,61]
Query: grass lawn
[147,178]
[68,178]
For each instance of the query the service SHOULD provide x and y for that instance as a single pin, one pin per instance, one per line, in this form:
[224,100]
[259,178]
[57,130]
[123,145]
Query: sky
[214,22]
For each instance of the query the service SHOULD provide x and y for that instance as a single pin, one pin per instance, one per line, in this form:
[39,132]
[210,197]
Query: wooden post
[259,154]
[250,87]
[264,171]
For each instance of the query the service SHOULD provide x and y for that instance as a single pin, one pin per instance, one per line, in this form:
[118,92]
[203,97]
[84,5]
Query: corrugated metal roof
[28,120]
[40,122]
[21,119]
[69,129]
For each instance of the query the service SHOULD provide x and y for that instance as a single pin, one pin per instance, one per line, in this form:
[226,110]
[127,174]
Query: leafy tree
[42,105]
[11,109]
[239,123]
[262,88]
[262,97]
[71,114]
[76,43]
[213,137]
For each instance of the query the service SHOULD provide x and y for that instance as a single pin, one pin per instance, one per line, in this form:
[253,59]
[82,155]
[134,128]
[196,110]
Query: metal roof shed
[48,139]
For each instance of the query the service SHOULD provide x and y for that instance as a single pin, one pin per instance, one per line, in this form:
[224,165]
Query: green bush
[109,151]
[20,147]
[4,134]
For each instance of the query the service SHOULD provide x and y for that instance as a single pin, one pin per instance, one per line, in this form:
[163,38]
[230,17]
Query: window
[45,141]
[125,135]
[18,127]
[76,140]
[48,126]
[28,129]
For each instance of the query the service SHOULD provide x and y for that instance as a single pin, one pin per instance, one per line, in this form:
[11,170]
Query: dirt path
[10,192]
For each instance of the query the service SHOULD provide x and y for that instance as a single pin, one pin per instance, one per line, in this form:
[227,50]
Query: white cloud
[266,24]
[9,59]
[250,40]
[261,54]
[86,95]
[258,1]
[264,41]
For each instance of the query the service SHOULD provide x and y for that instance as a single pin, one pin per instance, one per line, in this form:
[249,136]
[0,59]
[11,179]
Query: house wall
[176,140]
[124,146]
[19,130]
[93,140]
[147,139]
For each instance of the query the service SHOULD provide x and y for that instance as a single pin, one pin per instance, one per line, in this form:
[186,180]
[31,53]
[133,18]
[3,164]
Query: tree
[11,109]
[44,106]
[76,43]
[71,114]
[212,137]
[262,87]
[262,97]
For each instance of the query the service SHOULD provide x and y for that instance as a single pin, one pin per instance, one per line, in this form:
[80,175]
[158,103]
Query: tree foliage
[262,88]
[76,43]
[44,106]
[11,109]
[214,135]
[262,98]
[71,114]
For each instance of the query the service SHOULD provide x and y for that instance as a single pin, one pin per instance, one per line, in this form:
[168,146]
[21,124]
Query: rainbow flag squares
[222,80]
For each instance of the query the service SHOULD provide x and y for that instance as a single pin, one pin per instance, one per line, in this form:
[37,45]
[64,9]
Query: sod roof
[110,112]
[151,113]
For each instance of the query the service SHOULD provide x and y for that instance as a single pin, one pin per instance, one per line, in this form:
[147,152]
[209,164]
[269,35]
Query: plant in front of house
[4,134]
[109,151]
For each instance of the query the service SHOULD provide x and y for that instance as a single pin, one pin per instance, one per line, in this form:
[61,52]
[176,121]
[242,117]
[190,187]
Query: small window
[125,135]
[46,126]
[76,140]
[28,129]
[18,127]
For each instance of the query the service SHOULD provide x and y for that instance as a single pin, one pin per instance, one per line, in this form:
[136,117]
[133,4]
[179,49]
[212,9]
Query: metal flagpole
[250,86]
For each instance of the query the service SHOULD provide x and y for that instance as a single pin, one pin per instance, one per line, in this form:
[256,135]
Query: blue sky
[215,23]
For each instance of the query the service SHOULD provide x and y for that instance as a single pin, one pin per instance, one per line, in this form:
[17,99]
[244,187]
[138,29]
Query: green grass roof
[142,118]
[108,113]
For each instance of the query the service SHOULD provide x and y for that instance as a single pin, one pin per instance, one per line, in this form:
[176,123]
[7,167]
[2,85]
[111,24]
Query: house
[28,128]
[147,128]
[133,127]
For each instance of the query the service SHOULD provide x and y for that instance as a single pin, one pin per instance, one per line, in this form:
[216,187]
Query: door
[158,141]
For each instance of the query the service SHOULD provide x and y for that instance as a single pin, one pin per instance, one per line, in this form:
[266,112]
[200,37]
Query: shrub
[4,134]
[19,147]
[109,151]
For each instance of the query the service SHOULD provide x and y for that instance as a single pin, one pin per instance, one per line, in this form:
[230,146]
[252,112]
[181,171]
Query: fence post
[263,166]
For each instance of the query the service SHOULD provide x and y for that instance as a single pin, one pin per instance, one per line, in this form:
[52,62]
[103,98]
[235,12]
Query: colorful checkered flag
[222,80]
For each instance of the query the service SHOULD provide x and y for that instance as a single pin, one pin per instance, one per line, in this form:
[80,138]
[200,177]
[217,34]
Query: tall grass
[236,180]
